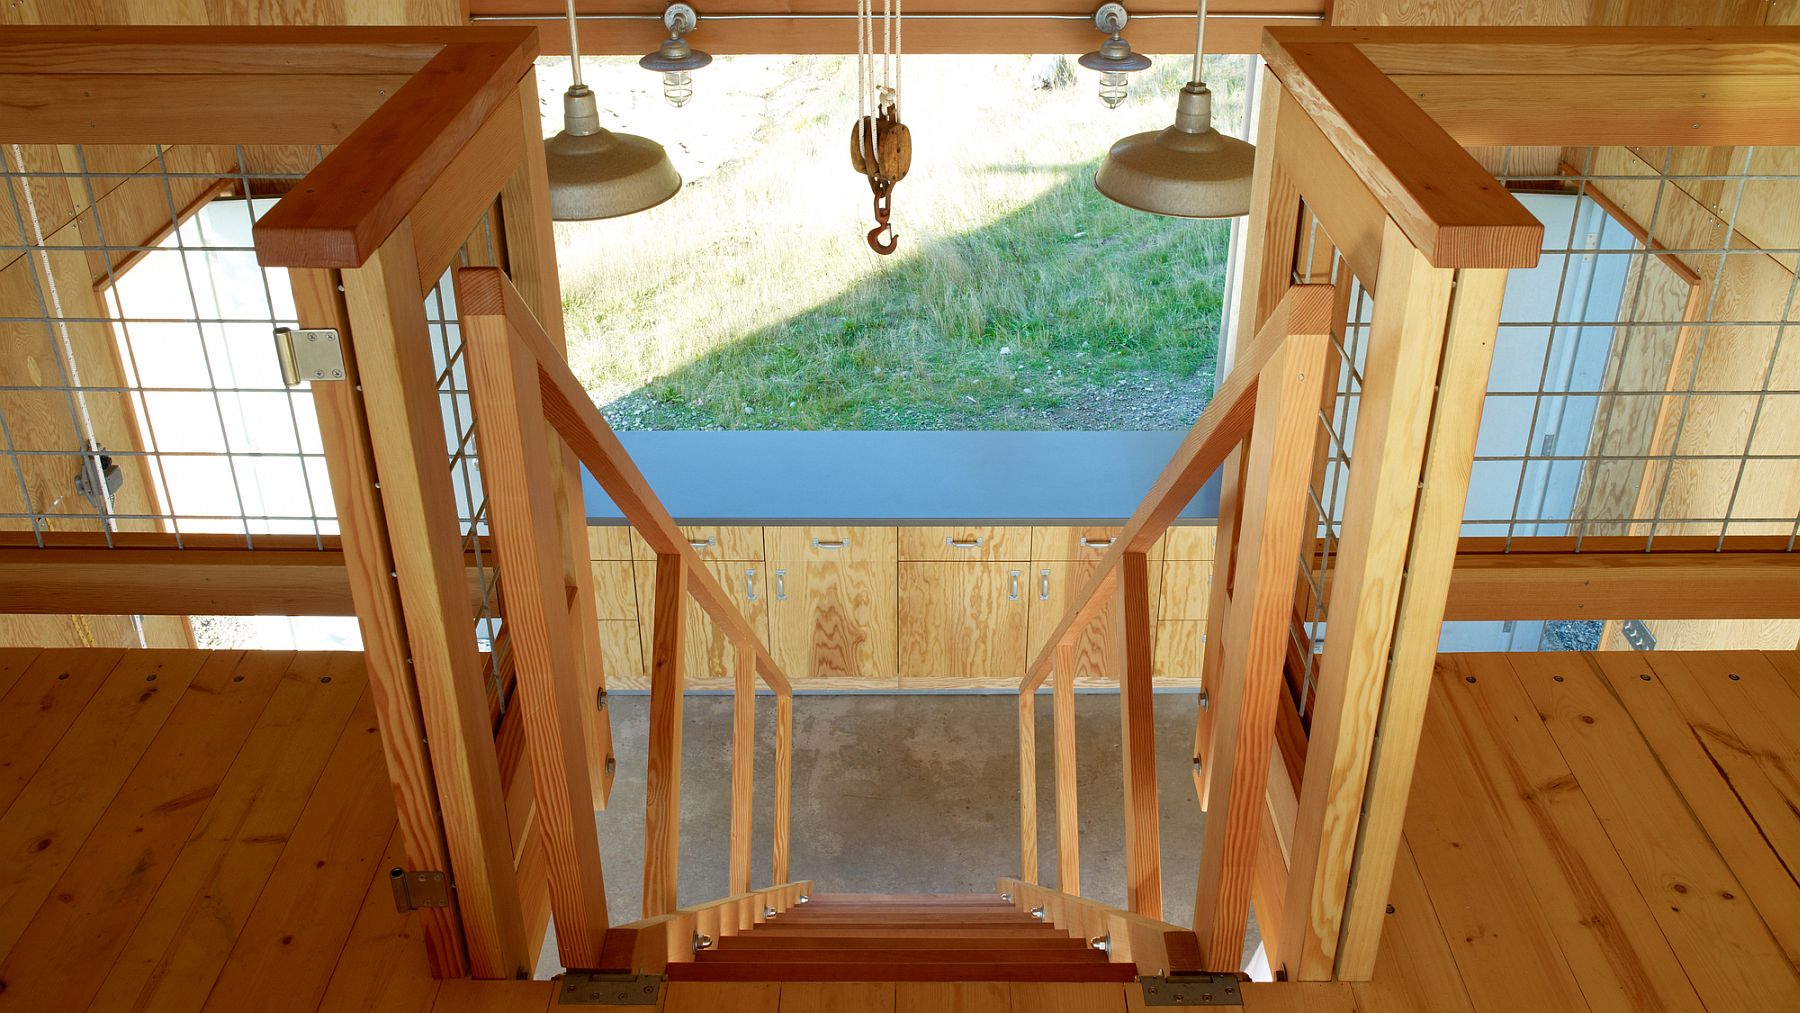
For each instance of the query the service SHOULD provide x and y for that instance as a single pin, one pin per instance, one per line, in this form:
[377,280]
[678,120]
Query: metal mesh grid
[1646,380]
[136,326]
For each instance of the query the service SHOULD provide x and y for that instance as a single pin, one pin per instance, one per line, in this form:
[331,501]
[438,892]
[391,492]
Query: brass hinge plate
[415,890]
[309,354]
[1196,989]
[608,988]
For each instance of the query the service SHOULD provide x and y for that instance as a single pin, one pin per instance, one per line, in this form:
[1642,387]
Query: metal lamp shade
[596,173]
[1189,170]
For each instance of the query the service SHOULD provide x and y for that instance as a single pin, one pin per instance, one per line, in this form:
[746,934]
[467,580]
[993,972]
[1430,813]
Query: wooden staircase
[903,937]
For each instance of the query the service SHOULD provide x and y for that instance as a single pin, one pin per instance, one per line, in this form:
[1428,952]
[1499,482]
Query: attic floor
[194,830]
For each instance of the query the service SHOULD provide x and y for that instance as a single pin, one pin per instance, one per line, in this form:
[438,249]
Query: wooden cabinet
[965,544]
[1055,583]
[961,621]
[831,603]
[707,656]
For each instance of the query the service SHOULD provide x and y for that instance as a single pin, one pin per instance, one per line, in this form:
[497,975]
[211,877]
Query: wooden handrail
[569,410]
[1221,427]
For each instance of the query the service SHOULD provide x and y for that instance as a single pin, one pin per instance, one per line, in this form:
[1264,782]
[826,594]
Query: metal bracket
[609,988]
[308,355]
[1191,989]
[1638,635]
[415,890]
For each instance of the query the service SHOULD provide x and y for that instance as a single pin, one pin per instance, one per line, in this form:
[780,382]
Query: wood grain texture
[1245,697]
[1137,740]
[555,692]
[964,544]
[743,771]
[1028,763]
[400,400]
[832,611]
[662,804]
[291,108]
[1068,823]
[784,784]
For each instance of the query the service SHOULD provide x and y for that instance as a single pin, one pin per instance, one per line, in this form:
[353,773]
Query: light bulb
[678,87]
[1113,85]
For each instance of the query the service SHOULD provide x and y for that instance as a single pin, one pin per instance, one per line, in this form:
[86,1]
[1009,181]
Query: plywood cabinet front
[1055,583]
[962,621]
[831,602]
[707,656]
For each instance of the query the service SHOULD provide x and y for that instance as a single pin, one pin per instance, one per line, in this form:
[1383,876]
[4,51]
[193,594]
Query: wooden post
[784,780]
[1028,827]
[1406,343]
[1431,555]
[743,760]
[662,804]
[1247,689]
[531,264]
[369,559]
[1068,828]
[528,536]
[1137,740]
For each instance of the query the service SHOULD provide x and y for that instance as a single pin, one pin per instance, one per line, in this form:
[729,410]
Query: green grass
[1021,298]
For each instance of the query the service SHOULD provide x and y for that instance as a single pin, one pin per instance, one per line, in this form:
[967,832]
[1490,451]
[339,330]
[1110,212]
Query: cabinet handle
[749,584]
[964,543]
[780,585]
[1043,585]
[1097,543]
[702,543]
[1012,593]
[840,543]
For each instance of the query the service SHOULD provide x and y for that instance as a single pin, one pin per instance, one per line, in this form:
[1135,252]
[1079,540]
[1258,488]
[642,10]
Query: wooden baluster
[784,779]
[662,805]
[1068,830]
[1028,828]
[743,759]
[1137,718]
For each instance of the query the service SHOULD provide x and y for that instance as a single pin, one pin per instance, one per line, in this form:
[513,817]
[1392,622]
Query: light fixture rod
[1199,39]
[574,44]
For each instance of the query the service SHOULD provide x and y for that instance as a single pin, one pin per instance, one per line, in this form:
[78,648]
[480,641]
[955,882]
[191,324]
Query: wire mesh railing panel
[1646,378]
[141,390]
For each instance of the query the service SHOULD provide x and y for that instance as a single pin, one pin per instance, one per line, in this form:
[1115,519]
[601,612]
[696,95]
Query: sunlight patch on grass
[1021,298]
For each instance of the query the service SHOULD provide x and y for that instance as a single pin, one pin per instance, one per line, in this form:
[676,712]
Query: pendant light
[1188,170]
[1114,59]
[675,58]
[595,173]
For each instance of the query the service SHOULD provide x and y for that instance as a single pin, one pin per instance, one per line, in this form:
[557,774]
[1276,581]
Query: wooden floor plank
[1502,941]
[183,940]
[1087,997]
[384,965]
[1787,663]
[1608,935]
[714,996]
[13,663]
[1762,710]
[1753,826]
[53,815]
[462,995]
[1298,997]
[112,879]
[952,997]
[1415,972]
[294,935]
[44,700]
[1727,951]
[837,997]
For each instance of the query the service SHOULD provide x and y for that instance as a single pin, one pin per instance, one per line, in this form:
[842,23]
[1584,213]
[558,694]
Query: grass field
[1020,297]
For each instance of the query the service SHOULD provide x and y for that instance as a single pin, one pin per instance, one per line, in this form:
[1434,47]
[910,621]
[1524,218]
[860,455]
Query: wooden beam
[784,782]
[452,208]
[1068,826]
[1248,687]
[1418,625]
[1583,110]
[1446,203]
[1335,193]
[365,563]
[399,388]
[293,108]
[519,481]
[228,49]
[1720,50]
[1137,737]
[1219,429]
[743,768]
[1405,345]
[662,807]
[1028,823]
[354,199]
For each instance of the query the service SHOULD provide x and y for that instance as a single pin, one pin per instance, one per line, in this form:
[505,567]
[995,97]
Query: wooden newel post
[520,483]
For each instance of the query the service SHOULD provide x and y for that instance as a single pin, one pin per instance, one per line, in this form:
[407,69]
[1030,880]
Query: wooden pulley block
[891,142]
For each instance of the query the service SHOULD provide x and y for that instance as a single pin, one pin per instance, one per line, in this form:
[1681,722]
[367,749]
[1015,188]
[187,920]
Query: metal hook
[884,248]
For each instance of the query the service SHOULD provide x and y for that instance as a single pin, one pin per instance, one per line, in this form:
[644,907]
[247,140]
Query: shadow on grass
[1070,312]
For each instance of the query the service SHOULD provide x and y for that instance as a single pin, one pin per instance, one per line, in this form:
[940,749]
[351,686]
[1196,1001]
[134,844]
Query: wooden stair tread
[1046,971]
[876,929]
[920,955]
[757,940]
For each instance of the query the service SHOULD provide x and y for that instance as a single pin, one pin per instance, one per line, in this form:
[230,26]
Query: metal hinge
[1638,635]
[609,988]
[1191,989]
[415,890]
[309,354]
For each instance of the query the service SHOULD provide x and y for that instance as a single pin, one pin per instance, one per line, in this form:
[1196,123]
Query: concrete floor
[902,793]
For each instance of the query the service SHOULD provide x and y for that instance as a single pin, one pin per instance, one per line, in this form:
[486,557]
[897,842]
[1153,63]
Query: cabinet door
[1180,649]
[831,602]
[930,605]
[1186,589]
[993,627]
[707,655]
[962,621]
[1054,585]
[622,655]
